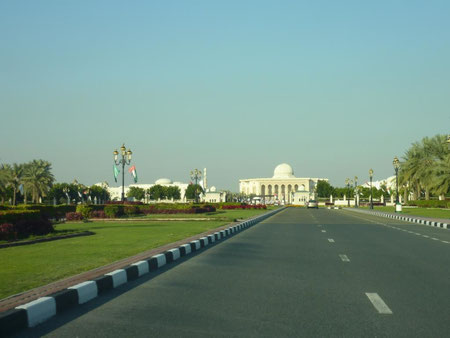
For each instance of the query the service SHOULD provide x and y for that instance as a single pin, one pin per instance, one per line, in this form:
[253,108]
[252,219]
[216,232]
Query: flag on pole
[116,172]
[21,188]
[132,170]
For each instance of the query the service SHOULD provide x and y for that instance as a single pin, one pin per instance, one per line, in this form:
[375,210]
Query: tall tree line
[425,169]
[32,179]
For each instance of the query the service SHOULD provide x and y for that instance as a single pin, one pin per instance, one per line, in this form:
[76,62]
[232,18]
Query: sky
[333,88]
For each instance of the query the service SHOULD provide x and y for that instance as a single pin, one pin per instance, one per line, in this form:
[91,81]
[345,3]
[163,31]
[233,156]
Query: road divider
[42,309]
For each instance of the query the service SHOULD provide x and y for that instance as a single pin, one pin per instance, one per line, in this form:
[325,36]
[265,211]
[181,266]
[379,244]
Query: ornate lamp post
[348,182]
[371,194]
[396,164]
[196,175]
[125,160]
[356,191]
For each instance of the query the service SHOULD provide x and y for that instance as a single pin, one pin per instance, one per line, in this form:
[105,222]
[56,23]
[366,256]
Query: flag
[79,194]
[116,172]
[132,170]
[21,188]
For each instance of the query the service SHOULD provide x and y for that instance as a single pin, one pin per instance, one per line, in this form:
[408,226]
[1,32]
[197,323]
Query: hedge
[13,216]
[429,203]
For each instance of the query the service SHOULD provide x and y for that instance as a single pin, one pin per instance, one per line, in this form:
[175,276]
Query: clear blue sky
[331,87]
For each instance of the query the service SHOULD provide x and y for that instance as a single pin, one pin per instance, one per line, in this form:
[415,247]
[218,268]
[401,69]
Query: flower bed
[244,206]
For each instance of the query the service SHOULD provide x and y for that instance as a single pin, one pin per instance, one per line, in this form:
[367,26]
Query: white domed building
[116,192]
[283,187]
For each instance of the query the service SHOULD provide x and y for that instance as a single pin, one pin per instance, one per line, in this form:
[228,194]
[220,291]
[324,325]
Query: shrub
[131,210]
[429,204]
[8,232]
[98,214]
[12,216]
[40,226]
[74,216]
[113,210]
[84,210]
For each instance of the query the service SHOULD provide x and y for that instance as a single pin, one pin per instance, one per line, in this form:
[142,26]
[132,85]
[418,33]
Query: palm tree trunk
[427,194]
[14,196]
[24,195]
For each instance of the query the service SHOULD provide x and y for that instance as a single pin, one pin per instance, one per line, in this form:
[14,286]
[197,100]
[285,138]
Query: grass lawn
[30,266]
[223,215]
[433,213]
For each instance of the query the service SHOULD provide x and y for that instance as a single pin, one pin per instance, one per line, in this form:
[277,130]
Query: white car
[312,204]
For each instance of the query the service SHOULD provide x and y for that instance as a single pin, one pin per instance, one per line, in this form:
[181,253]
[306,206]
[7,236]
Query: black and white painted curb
[42,309]
[403,218]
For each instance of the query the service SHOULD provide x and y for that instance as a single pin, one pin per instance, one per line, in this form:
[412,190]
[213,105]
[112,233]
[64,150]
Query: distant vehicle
[312,204]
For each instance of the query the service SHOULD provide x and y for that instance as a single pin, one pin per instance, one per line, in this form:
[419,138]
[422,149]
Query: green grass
[433,213]
[30,266]
[225,215]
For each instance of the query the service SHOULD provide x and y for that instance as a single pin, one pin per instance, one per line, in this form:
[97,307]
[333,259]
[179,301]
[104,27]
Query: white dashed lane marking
[324,231]
[378,303]
[331,240]
[344,258]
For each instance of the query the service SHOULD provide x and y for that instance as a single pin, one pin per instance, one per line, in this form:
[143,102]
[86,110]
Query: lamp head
[123,149]
[396,162]
[116,154]
[371,173]
[129,153]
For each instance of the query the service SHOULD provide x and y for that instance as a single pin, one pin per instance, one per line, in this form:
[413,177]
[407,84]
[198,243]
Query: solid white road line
[378,303]
[331,240]
[344,258]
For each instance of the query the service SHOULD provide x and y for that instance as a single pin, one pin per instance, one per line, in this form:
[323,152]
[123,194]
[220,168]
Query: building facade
[283,187]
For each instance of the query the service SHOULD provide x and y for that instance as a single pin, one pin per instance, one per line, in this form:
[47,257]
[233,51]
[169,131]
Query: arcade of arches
[283,187]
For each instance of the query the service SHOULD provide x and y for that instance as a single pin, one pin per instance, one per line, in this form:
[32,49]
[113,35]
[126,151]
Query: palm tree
[16,179]
[423,163]
[38,178]
[5,174]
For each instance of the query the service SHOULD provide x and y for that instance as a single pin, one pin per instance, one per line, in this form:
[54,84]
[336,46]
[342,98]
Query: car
[312,204]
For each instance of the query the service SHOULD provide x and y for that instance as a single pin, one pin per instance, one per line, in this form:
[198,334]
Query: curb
[404,218]
[40,310]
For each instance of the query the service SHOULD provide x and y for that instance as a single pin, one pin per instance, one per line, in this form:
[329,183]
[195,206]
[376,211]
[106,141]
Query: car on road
[312,204]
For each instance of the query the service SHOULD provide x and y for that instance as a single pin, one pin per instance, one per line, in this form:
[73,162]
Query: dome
[164,181]
[283,170]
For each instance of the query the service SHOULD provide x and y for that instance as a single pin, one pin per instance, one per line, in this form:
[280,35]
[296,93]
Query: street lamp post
[356,191]
[125,160]
[196,175]
[347,183]
[396,164]
[371,194]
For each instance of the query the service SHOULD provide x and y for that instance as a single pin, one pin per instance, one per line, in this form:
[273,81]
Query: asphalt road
[309,273]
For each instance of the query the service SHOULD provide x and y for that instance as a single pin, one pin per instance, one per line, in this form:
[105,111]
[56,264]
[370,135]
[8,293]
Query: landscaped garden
[29,266]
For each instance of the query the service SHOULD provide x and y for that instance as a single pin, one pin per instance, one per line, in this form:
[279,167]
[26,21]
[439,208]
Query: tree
[423,163]
[193,192]
[324,189]
[157,192]
[38,178]
[173,192]
[100,193]
[5,190]
[136,193]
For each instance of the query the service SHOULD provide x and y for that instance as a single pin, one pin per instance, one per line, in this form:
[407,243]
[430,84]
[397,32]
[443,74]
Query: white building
[213,196]
[116,192]
[283,187]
